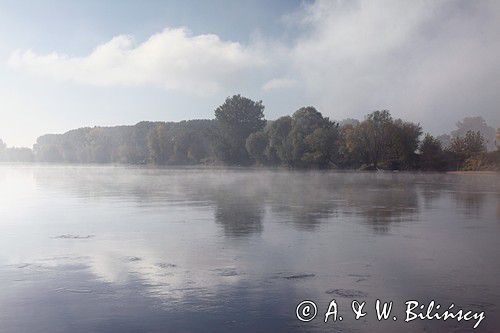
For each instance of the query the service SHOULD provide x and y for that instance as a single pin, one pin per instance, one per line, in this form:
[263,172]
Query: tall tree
[238,117]
[371,139]
[404,144]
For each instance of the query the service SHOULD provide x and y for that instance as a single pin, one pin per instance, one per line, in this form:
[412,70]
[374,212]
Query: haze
[66,65]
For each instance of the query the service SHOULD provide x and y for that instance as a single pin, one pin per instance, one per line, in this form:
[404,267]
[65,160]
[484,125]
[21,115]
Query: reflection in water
[238,214]
[382,204]
[470,202]
[106,249]
[304,198]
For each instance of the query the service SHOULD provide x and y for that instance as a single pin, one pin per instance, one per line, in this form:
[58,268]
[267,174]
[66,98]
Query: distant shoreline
[235,167]
[473,172]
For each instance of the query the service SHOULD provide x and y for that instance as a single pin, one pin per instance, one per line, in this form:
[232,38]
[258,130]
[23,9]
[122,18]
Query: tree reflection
[306,205]
[240,215]
[471,202]
[382,204]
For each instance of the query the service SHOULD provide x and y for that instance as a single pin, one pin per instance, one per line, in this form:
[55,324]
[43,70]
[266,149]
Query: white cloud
[280,83]
[429,61]
[173,59]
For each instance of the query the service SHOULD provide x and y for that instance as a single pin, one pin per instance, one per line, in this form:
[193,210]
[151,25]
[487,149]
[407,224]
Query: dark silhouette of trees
[463,148]
[432,156]
[239,135]
[279,150]
[370,140]
[313,138]
[237,118]
[306,139]
[404,144]
[380,141]
[186,142]
[497,139]
[256,145]
[468,145]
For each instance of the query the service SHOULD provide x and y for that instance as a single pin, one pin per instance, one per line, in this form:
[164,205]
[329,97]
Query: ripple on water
[347,293]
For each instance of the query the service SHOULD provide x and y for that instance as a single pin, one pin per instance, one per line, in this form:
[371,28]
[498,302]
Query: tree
[346,159]
[463,148]
[445,140]
[238,117]
[312,138]
[381,140]
[476,124]
[160,147]
[497,139]
[370,141]
[322,146]
[404,144]
[431,154]
[279,149]
[470,144]
[256,145]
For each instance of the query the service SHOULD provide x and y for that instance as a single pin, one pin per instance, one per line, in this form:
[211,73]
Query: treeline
[14,154]
[240,135]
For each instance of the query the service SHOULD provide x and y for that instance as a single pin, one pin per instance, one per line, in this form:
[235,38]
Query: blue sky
[68,64]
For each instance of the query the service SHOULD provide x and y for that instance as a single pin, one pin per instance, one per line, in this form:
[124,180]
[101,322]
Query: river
[135,249]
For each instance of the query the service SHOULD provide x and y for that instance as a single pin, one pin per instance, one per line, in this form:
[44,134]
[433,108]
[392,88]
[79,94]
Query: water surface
[127,249]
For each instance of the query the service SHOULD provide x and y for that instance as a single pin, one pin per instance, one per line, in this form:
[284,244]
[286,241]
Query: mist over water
[128,249]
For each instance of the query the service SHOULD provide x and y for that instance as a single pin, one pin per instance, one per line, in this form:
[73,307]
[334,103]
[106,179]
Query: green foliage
[381,141]
[186,142]
[240,136]
[470,144]
[304,122]
[404,144]
[256,145]
[238,117]
[306,139]
[279,150]
[370,141]
[322,146]
[466,147]
[483,161]
[497,139]
[432,156]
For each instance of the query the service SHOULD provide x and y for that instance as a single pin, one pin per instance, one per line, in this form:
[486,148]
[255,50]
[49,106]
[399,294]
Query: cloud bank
[173,59]
[423,60]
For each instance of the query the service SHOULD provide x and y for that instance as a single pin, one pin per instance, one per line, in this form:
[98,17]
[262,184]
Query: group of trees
[240,135]
[186,142]
[14,154]
[308,140]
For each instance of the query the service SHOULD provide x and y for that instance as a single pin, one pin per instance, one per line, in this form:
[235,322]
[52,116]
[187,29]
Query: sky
[70,64]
